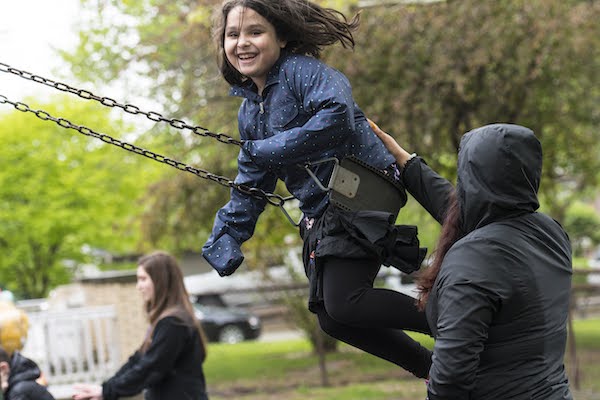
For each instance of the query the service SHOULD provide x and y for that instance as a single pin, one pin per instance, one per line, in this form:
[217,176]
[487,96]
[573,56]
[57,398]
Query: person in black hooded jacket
[18,375]
[497,293]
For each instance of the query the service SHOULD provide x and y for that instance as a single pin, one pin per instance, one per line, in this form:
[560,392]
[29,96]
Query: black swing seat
[356,186]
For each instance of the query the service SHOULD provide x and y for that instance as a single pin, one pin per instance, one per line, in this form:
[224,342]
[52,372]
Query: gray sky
[30,33]
[29,30]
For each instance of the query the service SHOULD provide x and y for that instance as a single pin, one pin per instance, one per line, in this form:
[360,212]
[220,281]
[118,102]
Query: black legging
[371,319]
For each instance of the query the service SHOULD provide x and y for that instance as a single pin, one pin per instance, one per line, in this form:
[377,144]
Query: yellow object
[14,326]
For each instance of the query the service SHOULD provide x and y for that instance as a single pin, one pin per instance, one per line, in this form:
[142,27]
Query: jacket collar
[249,90]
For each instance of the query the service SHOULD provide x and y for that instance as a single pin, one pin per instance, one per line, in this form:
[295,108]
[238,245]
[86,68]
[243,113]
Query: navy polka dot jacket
[306,113]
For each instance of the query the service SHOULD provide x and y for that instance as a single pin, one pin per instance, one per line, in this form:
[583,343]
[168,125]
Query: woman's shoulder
[465,258]
[172,321]
[169,320]
[172,327]
[29,390]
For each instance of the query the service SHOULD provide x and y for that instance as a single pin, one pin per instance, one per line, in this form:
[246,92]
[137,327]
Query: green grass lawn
[288,369]
[587,334]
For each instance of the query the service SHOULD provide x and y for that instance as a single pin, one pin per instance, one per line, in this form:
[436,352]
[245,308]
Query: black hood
[499,171]
[22,369]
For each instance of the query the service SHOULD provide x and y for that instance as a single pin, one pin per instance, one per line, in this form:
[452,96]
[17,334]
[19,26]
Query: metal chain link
[129,108]
[271,198]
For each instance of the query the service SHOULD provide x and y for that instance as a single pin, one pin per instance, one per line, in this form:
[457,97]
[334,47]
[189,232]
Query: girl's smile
[251,44]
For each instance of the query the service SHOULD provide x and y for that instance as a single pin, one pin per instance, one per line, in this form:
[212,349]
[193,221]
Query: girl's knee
[331,327]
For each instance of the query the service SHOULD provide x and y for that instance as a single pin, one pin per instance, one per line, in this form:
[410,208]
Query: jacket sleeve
[168,341]
[133,359]
[467,298]
[235,222]
[326,94]
[29,390]
[427,187]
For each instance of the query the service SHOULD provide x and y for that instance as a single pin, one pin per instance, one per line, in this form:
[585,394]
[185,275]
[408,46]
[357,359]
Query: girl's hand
[401,155]
[84,391]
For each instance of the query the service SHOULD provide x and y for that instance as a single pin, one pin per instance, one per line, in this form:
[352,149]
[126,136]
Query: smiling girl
[297,110]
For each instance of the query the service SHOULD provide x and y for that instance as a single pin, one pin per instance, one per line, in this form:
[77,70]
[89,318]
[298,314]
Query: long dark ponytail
[451,233]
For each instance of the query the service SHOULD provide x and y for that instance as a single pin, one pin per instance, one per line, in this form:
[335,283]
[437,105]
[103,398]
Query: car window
[214,300]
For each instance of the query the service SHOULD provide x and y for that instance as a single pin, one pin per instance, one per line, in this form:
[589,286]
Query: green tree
[61,191]
[429,73]
[171,46]
[583,225]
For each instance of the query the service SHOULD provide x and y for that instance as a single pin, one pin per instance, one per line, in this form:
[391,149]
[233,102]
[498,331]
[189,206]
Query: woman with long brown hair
[497,295]
[168,364]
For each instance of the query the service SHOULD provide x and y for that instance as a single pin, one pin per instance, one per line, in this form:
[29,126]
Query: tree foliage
[431,73]
[427,73]
[61,191]
[174,50]
[583,224]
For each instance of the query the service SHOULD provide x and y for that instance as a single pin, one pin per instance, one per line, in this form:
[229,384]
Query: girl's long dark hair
[305,26]
[451,233]
[170,295]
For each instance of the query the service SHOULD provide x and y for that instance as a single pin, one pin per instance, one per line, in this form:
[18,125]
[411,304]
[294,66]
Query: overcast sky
[30,33]
[29,30]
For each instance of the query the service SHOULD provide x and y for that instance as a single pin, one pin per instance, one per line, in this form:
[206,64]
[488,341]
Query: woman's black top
[171,368]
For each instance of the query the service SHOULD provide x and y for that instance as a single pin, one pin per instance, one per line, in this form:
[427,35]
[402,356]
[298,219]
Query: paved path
[281,335]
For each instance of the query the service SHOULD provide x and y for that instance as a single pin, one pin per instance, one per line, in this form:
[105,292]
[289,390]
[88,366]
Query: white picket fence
[75,345]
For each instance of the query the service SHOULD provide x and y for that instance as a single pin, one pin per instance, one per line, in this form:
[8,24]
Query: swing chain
[128,108]
[271,198]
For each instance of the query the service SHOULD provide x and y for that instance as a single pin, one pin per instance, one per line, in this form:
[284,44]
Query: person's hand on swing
[85,391]
[402,156]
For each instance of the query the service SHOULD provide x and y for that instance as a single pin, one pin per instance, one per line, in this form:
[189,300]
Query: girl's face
[251,44]
[144,284]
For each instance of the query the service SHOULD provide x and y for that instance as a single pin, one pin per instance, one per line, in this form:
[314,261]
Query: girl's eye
[232,35]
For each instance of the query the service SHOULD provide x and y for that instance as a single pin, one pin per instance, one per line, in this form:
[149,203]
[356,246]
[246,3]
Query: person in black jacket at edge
[168,365]
[18,375]
[497,294]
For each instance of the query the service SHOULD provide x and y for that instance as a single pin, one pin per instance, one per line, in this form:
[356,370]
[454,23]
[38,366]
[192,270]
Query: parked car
[225,324]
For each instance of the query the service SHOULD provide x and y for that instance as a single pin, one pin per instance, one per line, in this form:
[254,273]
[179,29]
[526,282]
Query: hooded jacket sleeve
[22,381]
[326,95]
[29,390]
[168,341]
[469,293]
[235,222]
[427,187]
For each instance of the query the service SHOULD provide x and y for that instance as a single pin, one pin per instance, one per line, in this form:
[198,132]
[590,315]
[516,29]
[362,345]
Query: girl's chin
[246,71]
